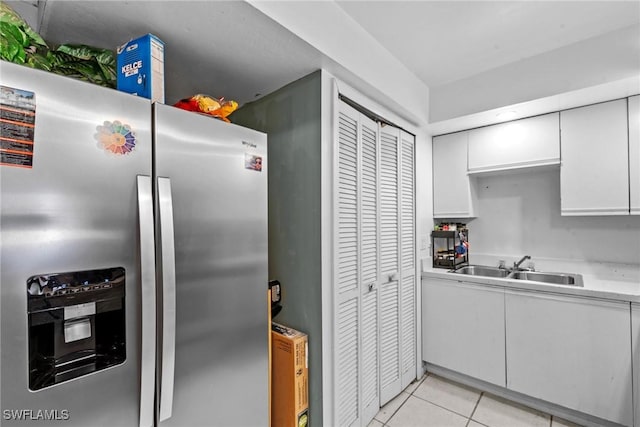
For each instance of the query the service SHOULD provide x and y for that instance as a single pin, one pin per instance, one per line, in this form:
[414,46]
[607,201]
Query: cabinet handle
[370,286]
[393,276]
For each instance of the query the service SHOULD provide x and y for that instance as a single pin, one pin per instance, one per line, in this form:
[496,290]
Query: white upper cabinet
[452,189]
[634,154]
[522,143]
[594,173]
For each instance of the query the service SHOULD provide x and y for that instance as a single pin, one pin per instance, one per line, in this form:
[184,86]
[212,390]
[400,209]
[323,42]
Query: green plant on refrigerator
[20,44]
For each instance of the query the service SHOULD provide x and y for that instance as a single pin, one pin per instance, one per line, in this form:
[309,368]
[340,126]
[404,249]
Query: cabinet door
[407,260]
[390,380]
[594,173]
[528,142]
[397,262]
[358,239]
[635,347]
[463,328]
[347,293]
[369,269]
[452,190]
[634,154]
[574,352]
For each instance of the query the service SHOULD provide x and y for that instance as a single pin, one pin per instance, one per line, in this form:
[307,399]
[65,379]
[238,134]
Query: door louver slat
[389,348]
[408,323]
[347,203]
[347,362]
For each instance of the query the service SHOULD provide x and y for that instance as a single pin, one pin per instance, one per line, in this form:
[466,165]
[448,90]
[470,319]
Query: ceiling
[231,49]
[220,48]
[446,41]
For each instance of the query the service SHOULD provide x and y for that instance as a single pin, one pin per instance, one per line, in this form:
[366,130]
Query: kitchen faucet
[516,265]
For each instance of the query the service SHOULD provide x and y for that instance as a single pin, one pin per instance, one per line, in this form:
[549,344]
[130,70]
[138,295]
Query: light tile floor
[434,401]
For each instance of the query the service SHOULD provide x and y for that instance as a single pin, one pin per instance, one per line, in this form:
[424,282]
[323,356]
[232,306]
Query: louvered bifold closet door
[390,379]
[347,293]
[369,269]
[408,308]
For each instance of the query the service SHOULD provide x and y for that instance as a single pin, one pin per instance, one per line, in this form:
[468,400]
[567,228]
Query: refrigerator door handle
[148,301]
[165,203]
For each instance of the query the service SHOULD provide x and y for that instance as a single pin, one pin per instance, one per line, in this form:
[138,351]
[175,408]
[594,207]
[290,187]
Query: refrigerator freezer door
[74,209]
[218,176]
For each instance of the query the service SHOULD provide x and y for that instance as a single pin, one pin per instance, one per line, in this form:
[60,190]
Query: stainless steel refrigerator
[133,259]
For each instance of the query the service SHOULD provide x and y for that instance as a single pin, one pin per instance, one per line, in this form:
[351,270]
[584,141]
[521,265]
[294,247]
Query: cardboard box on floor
[290,377]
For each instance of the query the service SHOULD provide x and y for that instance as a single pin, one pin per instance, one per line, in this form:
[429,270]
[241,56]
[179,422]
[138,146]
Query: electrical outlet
[423,243]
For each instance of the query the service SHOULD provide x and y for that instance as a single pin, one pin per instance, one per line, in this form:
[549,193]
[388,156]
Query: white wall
[353,55]
[27,9]
[610,57]
[519,213]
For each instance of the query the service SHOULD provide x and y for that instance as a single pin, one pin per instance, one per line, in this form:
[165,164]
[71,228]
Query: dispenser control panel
[52,285]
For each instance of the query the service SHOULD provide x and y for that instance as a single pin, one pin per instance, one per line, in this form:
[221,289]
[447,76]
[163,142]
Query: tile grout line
[469,418]
[442,407]
[394,412]
[474,408]
[424,377]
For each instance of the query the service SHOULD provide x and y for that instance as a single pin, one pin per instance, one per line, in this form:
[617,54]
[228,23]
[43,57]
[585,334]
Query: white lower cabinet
[463,328]
[571,351]
[635,346]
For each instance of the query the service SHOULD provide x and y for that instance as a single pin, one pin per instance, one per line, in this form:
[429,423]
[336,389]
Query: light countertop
[613,282]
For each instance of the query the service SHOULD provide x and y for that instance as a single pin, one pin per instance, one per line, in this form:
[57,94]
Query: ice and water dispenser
[76,324]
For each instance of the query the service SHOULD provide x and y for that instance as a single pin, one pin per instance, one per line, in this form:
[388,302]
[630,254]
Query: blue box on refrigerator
[141,67]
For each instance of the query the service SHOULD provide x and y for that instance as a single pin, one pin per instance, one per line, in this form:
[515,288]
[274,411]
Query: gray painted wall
[291,117]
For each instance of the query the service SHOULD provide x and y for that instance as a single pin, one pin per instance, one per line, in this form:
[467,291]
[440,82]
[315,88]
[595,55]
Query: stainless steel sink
[555,278]
[481,270]
[534,276]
